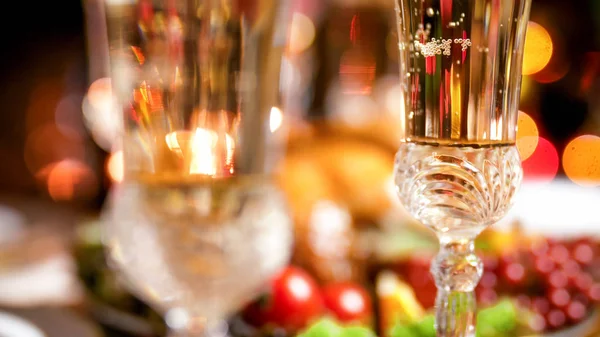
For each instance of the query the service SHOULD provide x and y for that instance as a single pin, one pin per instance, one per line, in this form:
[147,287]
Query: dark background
[44,59]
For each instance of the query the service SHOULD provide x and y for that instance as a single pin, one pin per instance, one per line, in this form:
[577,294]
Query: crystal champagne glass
[458,168]
[197,227]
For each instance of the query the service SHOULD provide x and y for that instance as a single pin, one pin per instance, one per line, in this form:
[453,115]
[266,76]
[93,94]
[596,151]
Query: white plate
[558,209]
[14,326]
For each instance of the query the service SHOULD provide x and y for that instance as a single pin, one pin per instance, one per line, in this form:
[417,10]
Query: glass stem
[456,271]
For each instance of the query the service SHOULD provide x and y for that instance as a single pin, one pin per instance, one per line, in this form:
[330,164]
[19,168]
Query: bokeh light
[581,160]
[101,116]
[590,70]
[527,135]
[538,48]
[67,115]
[552,73]
[48,144]
[275,119]
[69,179]
[114,166]
[302,33]
[542,165]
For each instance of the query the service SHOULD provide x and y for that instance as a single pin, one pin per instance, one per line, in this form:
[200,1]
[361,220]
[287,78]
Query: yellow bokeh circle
[538,49]
[527,135]
[581,160]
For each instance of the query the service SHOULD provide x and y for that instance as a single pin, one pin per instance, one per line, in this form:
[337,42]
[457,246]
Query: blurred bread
[324,234]
[360,173]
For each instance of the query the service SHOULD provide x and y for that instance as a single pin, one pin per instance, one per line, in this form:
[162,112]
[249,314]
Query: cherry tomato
[292,302]
[348,302]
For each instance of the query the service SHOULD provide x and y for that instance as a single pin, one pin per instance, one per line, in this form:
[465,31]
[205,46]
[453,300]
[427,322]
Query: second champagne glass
[196,228]
[458,168]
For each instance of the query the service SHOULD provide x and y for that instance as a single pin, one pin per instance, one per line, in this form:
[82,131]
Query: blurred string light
[542,165]
[581,160]
[114,167]
[538,48]
[302,33]
[527,135]
[101,115]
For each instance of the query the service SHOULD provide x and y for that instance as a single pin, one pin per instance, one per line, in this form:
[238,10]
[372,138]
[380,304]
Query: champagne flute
[197,227]
[458,168]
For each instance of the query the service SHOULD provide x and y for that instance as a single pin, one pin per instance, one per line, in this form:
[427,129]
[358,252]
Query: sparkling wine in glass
[458,168]
[197,227]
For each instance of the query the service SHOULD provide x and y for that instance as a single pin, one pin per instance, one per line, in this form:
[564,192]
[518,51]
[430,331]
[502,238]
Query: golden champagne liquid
[461,69]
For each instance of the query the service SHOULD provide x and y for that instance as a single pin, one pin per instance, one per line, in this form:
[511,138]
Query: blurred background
[59,148]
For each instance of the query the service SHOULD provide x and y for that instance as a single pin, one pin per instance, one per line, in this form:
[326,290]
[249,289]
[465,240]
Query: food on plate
[500,320]
[292,301]
[398,304]
[361,173]
[323,229]
[554,280]
[330,328]
[348,302]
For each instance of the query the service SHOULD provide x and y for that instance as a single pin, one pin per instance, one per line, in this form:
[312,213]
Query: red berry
[560,297]
[540,305]
[511,256]
[576,311]
[515,273]
[294,300]
[581,298]
[583,282]
[490,263]
[488,280]
[544,264]
[571,268]
[559,254]
[558,279]
[537,323]
[556,318]
[594,268]
[349,302]
[594,292]
[583,253]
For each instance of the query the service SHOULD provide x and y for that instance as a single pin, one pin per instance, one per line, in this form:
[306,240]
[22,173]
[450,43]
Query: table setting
[292,168]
